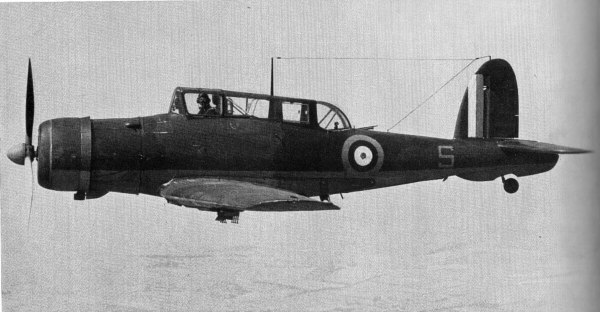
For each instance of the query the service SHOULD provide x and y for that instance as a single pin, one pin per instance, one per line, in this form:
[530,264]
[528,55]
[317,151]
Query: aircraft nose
[63,159]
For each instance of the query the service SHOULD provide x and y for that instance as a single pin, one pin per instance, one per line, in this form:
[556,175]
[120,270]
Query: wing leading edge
[222,194]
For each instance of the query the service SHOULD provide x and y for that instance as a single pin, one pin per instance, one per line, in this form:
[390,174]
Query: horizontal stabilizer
[537,147]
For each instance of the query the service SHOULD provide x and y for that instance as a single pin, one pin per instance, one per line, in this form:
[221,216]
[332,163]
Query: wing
[538,147]
[214,194]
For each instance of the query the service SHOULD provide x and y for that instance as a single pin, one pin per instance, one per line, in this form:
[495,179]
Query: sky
[453,245]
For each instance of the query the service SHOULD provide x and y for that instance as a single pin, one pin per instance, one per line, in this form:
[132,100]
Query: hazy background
[454,245]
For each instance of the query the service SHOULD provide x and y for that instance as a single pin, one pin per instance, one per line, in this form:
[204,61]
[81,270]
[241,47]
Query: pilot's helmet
[202,98]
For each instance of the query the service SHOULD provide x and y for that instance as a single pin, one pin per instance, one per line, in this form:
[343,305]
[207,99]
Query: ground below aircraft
[227,151]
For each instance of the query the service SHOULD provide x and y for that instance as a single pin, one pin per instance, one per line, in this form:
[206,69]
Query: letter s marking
[446,159]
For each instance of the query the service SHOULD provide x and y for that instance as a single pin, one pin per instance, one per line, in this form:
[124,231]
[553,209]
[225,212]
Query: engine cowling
[64,154]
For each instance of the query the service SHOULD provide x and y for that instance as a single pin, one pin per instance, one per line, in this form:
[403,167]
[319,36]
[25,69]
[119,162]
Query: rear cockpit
[214,103]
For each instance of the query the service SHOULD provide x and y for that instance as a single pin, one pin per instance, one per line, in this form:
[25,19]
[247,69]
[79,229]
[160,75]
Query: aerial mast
[271,76]
[272,65]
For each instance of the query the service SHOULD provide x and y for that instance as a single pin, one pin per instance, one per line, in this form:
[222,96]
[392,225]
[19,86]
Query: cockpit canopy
[213,103]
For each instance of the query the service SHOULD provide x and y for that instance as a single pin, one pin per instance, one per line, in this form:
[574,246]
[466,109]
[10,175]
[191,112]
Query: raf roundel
[362,154]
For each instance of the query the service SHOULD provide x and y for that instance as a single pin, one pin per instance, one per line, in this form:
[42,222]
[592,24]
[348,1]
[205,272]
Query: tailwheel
[510,185]
[224,215]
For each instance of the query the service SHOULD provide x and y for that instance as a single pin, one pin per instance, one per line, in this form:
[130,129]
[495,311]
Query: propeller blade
[29,106]
[31,198]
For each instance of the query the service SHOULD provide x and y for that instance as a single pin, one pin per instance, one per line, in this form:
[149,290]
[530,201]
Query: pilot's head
[203,100]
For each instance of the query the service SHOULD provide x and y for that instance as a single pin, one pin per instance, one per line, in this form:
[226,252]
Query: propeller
[18,153]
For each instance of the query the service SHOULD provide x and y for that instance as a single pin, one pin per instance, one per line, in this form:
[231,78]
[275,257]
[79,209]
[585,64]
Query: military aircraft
[227,151]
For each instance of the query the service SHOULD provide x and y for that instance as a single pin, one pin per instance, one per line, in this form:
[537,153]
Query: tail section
[490,106]
[490,110]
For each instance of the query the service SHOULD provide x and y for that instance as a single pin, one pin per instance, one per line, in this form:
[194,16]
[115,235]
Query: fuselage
[138,155]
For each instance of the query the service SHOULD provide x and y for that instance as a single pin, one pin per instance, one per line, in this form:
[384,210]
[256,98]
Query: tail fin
[490,106]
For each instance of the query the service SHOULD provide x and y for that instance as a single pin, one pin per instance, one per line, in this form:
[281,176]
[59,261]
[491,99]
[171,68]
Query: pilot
[204,105]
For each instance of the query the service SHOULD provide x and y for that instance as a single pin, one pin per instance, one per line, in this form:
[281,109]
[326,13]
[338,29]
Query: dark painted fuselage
[138,155]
